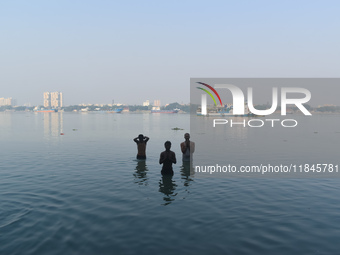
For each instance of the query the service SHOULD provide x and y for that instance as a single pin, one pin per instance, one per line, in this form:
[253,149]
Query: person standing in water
[167,158]
[141,141]
[187,148]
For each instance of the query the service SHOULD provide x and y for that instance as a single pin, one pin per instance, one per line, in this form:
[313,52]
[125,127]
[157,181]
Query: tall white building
[47,99]
[6,101]
[53,99]
[146,103]
[157,102]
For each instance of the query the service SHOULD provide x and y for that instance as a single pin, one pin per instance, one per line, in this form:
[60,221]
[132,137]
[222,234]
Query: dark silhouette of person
[141,173]
[167,186]
[186,173]
[141,141]
[187,148]
[167,158]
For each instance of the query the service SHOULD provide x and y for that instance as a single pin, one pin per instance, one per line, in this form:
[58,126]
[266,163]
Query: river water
[83,192]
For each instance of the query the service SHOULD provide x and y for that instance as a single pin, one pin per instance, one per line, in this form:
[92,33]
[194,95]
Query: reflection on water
[53,124]
[187,173]
[167,186]
[6,120]
[78,195]
[140,173]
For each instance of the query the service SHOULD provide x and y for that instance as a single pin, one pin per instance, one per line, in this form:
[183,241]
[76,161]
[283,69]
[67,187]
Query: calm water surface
[84,193]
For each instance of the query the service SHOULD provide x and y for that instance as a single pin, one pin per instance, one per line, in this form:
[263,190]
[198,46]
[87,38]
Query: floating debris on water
[75,129]
[176,128]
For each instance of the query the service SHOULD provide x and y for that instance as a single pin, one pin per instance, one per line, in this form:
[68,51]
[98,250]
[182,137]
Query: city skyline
[55,100]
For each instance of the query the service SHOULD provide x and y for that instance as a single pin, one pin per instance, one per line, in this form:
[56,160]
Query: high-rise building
[53,99]
[6,101]
[157,102]
[146,103]
[47,99]
[56,99]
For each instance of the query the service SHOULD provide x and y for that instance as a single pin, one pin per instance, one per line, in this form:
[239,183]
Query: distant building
[53,99]
[157,102]
[146,103]
[6,101]
[47,99]
[56,99]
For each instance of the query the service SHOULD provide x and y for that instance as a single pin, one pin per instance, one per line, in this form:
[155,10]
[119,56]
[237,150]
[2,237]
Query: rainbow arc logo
[209,93]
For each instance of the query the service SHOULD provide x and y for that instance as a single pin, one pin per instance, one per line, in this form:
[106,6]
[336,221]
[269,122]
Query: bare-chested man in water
[187,148]
[167,158]
[141,141]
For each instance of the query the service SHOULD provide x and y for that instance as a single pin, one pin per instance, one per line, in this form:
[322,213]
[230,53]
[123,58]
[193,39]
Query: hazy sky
[130,51]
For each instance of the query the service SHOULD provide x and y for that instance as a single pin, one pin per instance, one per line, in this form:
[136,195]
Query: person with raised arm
[141,141]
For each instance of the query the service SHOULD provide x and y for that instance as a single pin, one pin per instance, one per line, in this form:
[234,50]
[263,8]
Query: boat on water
[158,110]
[118,110]
[45,110]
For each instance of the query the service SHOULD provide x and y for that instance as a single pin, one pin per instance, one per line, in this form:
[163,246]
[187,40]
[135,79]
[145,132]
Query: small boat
[118,110]
[45,110]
